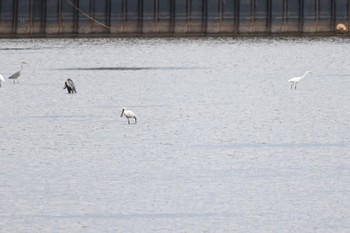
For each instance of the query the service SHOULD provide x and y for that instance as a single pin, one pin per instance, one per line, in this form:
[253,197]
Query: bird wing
[293,79]
[15,75]
[129,113]
[71,84]
[2,78]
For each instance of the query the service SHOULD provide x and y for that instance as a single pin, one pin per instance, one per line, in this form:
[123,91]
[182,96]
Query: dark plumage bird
[69,85]
[16,75]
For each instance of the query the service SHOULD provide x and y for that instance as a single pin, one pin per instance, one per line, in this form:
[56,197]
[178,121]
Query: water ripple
[133,68]
[277,145]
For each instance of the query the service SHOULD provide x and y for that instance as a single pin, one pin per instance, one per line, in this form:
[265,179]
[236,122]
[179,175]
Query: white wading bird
[128,114]
[16,75]
[1,79]
[297,79]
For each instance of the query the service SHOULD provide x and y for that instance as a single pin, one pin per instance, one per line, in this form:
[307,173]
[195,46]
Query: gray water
[221,145]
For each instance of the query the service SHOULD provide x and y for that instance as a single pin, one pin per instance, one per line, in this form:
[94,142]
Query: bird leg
[128,121]
[295,86]
[291,86]
[135,120]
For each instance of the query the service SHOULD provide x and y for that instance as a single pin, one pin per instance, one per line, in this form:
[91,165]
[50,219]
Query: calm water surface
[221,145]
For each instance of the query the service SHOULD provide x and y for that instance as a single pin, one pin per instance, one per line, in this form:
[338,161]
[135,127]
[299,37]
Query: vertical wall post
[15,16]
[140,16]
[30,18]
[59,15]
[76,17]
[155,15]
[285,15]
[333,14]
[124,15]
[237,15]
[269,16]
[348,14]
[221,13]
[44,16]
[204,16]
[109,13]
[317,14]
[301,16]
[188,15]
[0,14]
[253,15]
[92,13]
[172,16]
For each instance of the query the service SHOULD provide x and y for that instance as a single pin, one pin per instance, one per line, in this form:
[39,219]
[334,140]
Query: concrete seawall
[20,18]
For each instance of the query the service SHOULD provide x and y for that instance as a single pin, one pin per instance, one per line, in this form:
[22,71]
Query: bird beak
[121,115]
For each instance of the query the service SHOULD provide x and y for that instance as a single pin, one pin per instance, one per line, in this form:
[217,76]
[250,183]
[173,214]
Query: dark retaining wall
[170,17]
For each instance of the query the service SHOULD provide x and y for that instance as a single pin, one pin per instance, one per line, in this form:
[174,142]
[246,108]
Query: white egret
[128,114]
[69,84]
[16,75]
[297,79]
[1,79]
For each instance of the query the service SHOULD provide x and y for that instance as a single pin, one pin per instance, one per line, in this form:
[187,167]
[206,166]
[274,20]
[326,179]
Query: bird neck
[304,75]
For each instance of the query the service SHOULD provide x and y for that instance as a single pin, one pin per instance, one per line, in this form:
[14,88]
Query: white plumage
[297,79]
[1,79]
[128,114]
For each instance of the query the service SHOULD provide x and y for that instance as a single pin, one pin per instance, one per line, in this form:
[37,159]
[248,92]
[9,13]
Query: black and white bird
[69,85]
[16,75]
[128,114]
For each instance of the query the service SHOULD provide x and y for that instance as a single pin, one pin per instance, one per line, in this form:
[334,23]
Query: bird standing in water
[295,80]
[1,79]
[69,84]
[128,114]
[16,75]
